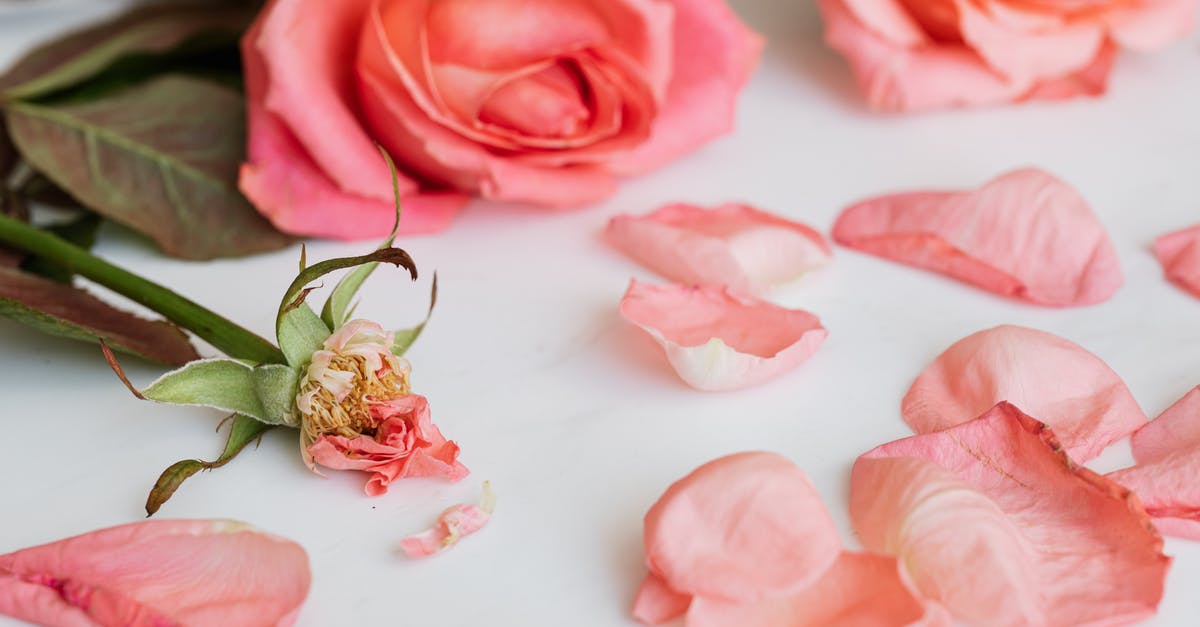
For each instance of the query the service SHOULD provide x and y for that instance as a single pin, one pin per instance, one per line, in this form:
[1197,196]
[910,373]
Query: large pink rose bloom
[539,101]
[923,54]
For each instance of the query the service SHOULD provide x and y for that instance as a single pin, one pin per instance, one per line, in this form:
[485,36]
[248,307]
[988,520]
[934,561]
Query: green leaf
[161,158]
[142,33]
[232,386]
[70,312]
[297,326]
[407,337]
[243,431]
[338,306]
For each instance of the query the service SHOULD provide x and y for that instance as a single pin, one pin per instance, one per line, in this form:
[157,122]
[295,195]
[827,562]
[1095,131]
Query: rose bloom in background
[532,101]
[923,54]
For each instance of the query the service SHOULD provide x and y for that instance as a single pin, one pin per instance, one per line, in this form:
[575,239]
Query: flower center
[350,417]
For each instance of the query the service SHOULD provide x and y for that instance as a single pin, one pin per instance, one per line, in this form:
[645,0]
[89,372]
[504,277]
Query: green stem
[215,329]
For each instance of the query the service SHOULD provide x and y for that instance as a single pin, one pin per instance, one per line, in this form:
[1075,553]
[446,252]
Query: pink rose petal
[198,573]
[1179,254]
[997,524]
[740,528]
[736,245]
[1026,235]
[1086,404]
[453,524]
[717,340]
[1168,463]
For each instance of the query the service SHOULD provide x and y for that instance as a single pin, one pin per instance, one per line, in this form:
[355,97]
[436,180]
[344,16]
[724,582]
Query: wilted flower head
[355,370]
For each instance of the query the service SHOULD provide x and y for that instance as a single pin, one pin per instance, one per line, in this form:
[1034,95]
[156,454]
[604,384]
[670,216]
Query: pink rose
[539,101]
[922,54]
[405,444]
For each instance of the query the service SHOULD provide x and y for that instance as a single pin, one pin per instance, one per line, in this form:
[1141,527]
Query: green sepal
[243,431]
[405,338]
[301,333]
[232,386]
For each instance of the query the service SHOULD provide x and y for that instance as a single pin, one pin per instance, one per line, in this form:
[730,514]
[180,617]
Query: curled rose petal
[1078,395]
[735,245]
[199,573]
[740,528]
[1167,451]
[996,523]
[1026,235]
[717,340]
[1179,254]
[453,524]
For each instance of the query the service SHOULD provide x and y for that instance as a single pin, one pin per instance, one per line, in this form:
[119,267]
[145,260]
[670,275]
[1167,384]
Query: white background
[573,415]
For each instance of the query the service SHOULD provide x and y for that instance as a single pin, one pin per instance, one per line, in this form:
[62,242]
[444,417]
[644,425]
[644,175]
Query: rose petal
[1086,404]
[740,528]
[717,340]
[859,589]
[714,54]
[453,524]
[1167,451]
[1035,53]
[994,522]
[1151,24]
[735,245]
[162,572]
[657,603]
[1026,235]
[1179,254]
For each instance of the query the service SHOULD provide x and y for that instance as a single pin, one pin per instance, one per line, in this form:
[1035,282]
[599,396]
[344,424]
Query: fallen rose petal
[453,524]
[996,523]
[162,572]
[735,245]
[739,528]
[717,340]
[1179,254]
[1026,235]
[1167,451]
[1086,404]
[862,589]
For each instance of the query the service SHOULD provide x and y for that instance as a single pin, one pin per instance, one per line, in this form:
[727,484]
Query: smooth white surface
[575,416]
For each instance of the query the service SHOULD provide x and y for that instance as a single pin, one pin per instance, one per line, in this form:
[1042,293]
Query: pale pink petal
[889,19]
[657,603]
[454,524]
[1028,53]
[198,573]
[1086,404]
[289,189]
[996,523]
[1092,80]
[1151,24]
[859,590]
[1179,254]
[714,55]
[1025,234]
[740,528]
[735,245]
[717,340]
[1168,462]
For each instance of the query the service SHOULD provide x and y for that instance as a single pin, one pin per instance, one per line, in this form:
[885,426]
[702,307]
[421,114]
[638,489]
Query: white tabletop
[573,415]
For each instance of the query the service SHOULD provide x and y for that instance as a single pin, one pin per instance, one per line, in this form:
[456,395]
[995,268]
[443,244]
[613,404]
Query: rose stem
[211,327]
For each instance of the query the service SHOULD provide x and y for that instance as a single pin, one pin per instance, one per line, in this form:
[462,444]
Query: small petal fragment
[740,528]
[455,523]
[1168,462]
[199,573]
[1086,404]
[735,245]
[998,525]
[1026,235]
[1179,254]
[717,340]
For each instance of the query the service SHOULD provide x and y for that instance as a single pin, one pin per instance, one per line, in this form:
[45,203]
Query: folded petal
[657,603]
[717,340]
[860,589]
[1028,52]
[1179,254]
[1151,24]
[735,245]
[739,528]
[163,572]
[453,524]
[997,524]
[1086,404]
[1168,462]
[1025,234]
